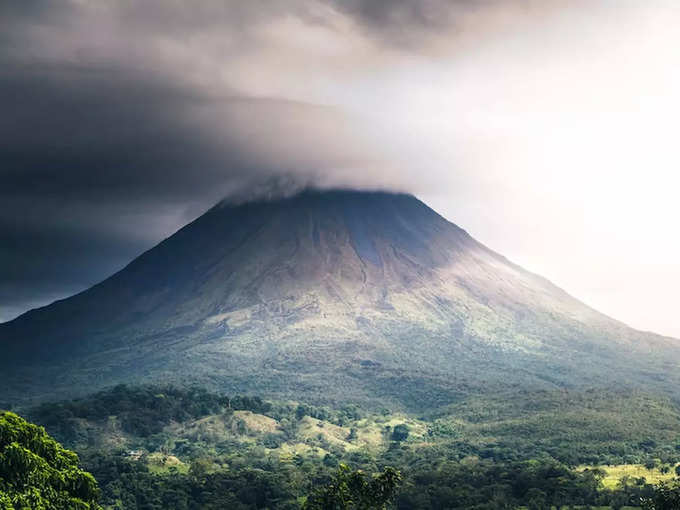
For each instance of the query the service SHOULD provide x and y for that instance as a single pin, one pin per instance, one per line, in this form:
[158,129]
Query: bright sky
[555,141]
[567,159]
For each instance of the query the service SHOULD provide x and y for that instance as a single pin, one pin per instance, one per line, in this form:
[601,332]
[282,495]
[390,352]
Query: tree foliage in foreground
[36,472]
[666,497]
[354,490]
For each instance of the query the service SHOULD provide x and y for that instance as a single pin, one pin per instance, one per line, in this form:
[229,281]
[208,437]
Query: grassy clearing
[257,423]
[614,474]
[288,451]
[162,464]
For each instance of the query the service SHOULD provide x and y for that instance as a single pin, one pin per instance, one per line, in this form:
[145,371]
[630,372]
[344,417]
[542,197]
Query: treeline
[145,410]
[141,410]
[129,485]
[341,417]
[475,485]
[578,428]
[482,485]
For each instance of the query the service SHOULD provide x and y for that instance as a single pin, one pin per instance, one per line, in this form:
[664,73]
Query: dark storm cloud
[122,120]
[107,145]
[400,17]
[89,133]
[84,149]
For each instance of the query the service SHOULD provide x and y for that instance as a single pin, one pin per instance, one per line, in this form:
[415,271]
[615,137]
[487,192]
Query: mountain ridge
[322,289]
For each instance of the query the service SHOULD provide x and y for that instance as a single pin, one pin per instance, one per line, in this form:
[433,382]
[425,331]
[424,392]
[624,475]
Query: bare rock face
[327,296]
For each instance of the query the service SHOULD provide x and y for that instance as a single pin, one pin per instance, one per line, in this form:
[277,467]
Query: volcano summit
[330,295]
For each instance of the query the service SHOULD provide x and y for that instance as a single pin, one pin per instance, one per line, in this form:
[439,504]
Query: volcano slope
[328,296]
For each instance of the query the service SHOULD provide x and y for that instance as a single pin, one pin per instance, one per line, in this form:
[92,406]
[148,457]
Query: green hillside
[161,447]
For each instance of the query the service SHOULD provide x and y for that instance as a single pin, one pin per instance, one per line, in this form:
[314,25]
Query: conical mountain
[327,296]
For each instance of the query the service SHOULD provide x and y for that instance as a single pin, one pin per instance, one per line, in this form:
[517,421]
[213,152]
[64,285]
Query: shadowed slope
[328,294]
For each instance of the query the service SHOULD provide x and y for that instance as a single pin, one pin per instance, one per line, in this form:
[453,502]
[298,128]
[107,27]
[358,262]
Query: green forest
[160,447]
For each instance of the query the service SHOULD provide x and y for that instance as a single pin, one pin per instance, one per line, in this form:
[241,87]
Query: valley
[160,447]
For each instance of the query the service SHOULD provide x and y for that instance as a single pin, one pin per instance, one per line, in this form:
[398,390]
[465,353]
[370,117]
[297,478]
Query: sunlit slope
[332,295]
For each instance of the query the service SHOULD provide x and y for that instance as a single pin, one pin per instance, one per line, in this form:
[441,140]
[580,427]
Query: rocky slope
[332,295]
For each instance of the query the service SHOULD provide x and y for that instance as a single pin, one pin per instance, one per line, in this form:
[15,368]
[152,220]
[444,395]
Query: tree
[37,472]
[199,468]
[400,432]
[354,490]
[666,497]
[330,460]
[536,499]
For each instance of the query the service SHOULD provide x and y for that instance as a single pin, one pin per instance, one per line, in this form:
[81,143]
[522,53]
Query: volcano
[333,296]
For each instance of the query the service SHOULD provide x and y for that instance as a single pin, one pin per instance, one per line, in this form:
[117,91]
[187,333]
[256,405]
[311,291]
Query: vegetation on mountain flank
[157,447]
[354,490]
[140,411]
[331,297]
[37,473]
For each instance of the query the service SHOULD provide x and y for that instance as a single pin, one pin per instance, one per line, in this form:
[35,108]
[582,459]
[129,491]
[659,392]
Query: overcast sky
[547,129]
